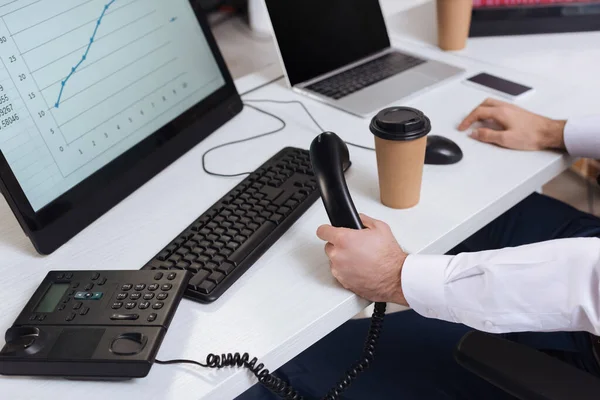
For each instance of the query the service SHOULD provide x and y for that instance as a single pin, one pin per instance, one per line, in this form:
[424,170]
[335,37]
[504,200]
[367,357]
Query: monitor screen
[529,3]
[316,37]
[82,82]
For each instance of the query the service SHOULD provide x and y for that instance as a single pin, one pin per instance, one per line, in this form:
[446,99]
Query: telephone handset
[330,158]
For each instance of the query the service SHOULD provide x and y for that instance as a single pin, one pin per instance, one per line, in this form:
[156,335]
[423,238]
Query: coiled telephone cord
[282,388]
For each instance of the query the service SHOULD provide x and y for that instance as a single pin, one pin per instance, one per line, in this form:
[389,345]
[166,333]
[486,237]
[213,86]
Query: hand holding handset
[330,158]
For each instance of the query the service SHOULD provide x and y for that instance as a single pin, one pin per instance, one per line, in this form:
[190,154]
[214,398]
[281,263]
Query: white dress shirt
[543,287]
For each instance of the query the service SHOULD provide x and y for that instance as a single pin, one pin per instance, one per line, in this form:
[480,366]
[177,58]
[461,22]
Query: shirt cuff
[582,137]
[423,284]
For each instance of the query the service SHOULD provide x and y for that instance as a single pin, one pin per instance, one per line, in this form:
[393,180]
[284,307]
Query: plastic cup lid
[400,123]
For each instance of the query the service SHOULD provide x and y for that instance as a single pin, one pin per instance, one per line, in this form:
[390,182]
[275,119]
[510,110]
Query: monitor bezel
[63,218]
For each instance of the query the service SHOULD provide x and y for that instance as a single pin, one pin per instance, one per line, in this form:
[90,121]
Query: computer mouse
[442,151]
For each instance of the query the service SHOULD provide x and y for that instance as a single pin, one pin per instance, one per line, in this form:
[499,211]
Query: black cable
[309,114]
[288,102]
[282,127]
[278,385]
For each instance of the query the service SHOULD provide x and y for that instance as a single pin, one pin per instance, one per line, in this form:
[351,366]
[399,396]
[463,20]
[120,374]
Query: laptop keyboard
[367,74]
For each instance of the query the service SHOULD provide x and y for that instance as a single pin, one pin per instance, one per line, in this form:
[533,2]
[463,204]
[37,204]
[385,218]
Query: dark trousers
[414,359]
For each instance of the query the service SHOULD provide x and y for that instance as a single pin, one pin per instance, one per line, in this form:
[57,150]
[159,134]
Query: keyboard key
[226,268]
[211,266]
[194,267]
[198,278]
[216,277]
[190,258]
[203,259]
[277,218]
[233,245]
[218,259]
[253,241]
[206,287]
[183,264]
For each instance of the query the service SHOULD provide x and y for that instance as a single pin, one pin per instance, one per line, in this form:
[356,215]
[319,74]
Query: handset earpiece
[330,158]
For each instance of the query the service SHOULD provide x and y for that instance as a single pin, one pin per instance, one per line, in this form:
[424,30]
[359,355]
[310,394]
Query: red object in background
[517,3]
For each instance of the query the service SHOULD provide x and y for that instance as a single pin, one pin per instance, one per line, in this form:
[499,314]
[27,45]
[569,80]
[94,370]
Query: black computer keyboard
[230,236]
[361,76]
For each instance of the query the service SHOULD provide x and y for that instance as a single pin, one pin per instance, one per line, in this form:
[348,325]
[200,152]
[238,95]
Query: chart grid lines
[109,54]
[103,37]
[43,138]
[137,101]
[19,9]
[87,51]
[114,10]
[120,90]
[158,116]
[38,88]
[52,17]
[119,70]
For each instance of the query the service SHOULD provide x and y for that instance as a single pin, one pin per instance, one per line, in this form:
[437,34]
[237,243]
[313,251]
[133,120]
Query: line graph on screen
[93,72]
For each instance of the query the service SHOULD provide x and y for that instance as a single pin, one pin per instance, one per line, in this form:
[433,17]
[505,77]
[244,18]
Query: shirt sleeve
[582,137]
[543,287]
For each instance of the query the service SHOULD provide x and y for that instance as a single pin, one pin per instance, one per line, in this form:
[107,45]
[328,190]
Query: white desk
[571,58]
[288,300]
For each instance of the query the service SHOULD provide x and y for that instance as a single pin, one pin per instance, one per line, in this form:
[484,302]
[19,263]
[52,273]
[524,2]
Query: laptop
[339,52]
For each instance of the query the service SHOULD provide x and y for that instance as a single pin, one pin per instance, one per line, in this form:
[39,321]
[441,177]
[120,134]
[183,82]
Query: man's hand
[520,129]
[368,262]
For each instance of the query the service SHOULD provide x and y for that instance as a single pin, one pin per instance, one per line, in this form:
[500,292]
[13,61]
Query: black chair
[524,372]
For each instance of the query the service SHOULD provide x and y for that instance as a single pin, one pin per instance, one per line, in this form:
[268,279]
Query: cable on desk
[282,127]
[205,168]
[278,385]
[309,114]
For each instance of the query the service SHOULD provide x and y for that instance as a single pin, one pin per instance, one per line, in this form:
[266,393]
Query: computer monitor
[97,97]
[517,17]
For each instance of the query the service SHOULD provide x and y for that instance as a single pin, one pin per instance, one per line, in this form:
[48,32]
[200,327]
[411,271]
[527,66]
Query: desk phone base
[93,324]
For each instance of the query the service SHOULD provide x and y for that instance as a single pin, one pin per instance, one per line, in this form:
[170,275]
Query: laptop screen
[316,36]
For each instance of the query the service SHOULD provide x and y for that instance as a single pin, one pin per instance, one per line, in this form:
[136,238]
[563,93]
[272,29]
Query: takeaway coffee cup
[454,21]
[400,144]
